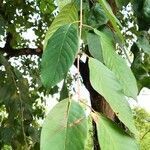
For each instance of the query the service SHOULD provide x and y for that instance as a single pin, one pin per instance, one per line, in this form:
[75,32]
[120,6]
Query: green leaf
[2,25]
[96,16]
[111,137]
[47,6]
[64,93]
[112,18]
[146,9]
[67,15]
[24,89]
[6,92]
[105,83]
[144,44]
[141,67]
[59,55]
[95,46]
[62,3]
[65,127]
[118,65]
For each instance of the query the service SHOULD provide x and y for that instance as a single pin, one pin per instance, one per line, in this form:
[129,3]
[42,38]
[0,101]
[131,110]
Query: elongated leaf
[118,65]
[67,15]
[112,18]
[95,46]
[105,83]
[59,55]
[65,127]
[96,17]
[111,137]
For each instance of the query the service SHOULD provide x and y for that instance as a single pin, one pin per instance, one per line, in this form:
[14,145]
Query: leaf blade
[62,3]
[144,44]
[59,55]
[111,137]
[65,127]
[105,83]
[112,18]
[95,46]
[118,65]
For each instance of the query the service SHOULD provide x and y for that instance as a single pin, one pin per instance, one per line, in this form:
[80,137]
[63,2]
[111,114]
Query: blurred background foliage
[142,122]
[22,101]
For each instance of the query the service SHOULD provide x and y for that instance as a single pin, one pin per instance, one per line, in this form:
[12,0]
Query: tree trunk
[100,105]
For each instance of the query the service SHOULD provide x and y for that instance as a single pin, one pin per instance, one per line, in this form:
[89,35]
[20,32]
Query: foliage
[20,107]
[117,65]
[60,58]
[142,122]
[111,90]
[99,27]
[109,132]
[69,123]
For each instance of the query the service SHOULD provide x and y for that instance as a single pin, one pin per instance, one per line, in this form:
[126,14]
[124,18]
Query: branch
[12,52]
[23,51]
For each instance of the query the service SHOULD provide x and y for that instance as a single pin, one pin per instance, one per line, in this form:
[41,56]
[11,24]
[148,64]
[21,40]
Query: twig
[78,80]
[81,19]
[78,59]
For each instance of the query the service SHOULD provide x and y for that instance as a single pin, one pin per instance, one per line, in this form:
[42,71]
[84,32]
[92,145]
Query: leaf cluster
[98,25]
